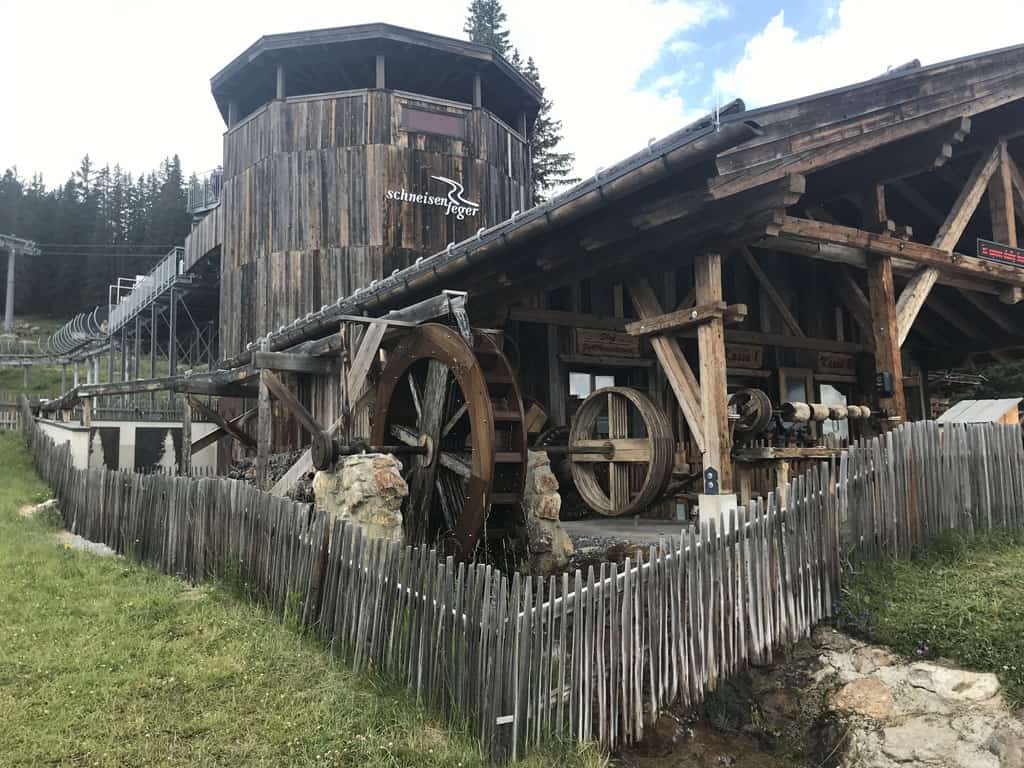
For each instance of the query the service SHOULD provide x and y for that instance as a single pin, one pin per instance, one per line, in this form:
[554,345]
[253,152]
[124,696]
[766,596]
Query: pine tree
[485,23]
[551,168]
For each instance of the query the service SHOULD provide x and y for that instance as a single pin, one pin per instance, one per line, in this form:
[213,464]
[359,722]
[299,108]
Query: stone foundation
[549,546]
[366,490]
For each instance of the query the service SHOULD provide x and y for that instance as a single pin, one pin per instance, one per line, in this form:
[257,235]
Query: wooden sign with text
[743,356]
[595,342]
[836,362]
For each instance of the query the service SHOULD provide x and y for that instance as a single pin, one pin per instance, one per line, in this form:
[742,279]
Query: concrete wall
[130,445]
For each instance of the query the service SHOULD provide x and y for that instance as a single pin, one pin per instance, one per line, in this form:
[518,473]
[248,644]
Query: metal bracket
[711,481]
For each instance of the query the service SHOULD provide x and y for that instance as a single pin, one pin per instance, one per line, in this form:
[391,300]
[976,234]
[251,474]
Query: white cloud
[128,81]
[868,37]
[682,46]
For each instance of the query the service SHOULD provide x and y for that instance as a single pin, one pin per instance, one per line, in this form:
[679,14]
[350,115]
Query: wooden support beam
[918,201]
[882,294]
[288,399]
[673,363]
[899,160]
[691,317]
[562,317]
[916,291]
[220,432]
[264,428]
[992,312]
[773,295]
[1017,180]
[954,264]
[225,428]
[185,467]
[292,363]
[875,211]
[739,172]
[279,90]
[356,385]
[1000,200]
[853,297]
[707,268]
[966,204]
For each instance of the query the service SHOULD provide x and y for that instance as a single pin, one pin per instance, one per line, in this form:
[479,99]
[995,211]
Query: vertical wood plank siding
[303,200]
[592,656]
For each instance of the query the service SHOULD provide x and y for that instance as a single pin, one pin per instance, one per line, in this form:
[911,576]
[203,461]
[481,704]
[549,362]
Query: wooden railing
[586,656]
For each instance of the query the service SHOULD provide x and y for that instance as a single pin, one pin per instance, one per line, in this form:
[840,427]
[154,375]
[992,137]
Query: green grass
[105,663]
[958,600]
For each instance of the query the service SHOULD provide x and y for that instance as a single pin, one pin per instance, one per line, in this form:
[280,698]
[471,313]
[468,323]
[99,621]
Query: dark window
[434,122]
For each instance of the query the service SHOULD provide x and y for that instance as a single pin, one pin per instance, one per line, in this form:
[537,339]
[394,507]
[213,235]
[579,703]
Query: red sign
[1003,254]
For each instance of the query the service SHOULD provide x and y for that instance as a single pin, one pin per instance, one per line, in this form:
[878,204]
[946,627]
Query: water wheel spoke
[405,435]
[458,462]
[450,424]
[449,497]
[435,389]
[416,399]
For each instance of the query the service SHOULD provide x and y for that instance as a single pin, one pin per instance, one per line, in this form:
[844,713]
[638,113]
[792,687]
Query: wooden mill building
[829,250]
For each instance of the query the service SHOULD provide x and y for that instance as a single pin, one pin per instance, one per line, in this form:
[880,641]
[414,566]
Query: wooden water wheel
[622,451]
[462,403]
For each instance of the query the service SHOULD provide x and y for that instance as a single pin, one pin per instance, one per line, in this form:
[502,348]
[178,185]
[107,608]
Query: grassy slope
[959,601]
[106,663]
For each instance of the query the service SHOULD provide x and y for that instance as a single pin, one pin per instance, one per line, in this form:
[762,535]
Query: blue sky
[686,65]
[618,73]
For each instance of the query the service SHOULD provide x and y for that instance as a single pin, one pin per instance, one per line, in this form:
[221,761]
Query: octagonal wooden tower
[351,152]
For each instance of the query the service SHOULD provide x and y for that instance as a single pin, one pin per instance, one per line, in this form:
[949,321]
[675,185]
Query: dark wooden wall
[305,216]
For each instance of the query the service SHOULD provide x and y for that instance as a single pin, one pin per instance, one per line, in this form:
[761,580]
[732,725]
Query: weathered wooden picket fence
[586,656]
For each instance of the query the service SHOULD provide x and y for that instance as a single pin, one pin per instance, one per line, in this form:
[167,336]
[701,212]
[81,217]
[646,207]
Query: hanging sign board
[836,362]
[596,342]
[1002,254]
[744,356]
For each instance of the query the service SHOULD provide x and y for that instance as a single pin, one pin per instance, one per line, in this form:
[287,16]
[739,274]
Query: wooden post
[63,378]
[87,412]
[24,377]
[714,393]
[172,342]
[74,375]
[381,72]
[477,91]
[522,124]
[1000,200]
[280,83]
[9,307]
[232,114]
[152,350]
[186,438]
[345,417]
[264,428]
[882,295]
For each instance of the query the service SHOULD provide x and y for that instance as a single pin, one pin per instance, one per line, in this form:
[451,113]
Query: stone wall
[366,490]
[548,545]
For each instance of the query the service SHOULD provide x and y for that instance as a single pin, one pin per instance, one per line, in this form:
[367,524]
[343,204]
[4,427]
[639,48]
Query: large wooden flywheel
[622,450]
[461,403]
